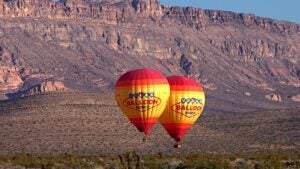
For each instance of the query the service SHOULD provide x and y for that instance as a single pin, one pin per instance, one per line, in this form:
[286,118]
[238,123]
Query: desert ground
[249,67]
[87,123]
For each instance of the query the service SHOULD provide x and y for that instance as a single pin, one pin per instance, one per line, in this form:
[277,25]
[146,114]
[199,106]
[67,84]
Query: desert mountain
[244,62]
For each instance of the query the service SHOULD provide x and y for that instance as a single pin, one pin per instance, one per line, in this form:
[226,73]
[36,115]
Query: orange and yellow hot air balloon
[142,95]
[185,105]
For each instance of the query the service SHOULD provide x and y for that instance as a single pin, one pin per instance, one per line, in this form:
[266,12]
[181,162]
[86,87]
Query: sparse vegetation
[47,126]
[246,63]
[91,123]
[132,160]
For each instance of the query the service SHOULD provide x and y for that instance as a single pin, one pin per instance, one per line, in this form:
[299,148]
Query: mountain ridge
[244,62]
[93,9]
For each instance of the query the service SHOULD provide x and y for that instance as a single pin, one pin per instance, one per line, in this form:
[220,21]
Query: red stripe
[144,124]
[184,82]
[186,88]
[140,74]
[177,130]
[140,119]
[177,133]
[177,125]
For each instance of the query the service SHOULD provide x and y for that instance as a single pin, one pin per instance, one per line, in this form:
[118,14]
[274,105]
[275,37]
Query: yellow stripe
[143,87]
[171,115]
[160,91]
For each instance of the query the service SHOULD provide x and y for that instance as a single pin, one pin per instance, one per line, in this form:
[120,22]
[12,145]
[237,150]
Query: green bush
[132,160]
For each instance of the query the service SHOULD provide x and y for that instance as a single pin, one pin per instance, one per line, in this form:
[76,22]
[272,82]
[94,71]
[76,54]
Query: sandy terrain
[93,124]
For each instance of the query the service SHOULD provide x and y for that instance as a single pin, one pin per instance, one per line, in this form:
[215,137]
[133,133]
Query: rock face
[121,10]
[199,19]
[110,11]
[148,7]
[296,98]
[88,44]
[46,87]
[274,97]
[10,80]
[6,57]
[247,93]
[23,80]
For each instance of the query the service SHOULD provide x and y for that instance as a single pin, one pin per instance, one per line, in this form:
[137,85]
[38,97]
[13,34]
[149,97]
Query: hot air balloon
[142,95]
[185,105]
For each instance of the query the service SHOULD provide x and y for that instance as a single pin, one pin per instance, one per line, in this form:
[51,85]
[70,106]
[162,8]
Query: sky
[277,9]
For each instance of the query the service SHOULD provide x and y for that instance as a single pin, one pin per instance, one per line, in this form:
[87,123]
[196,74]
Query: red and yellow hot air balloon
[185,105]
[142,95]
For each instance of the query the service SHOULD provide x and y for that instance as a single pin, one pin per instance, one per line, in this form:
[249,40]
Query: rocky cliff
[9,79]
[125,10]
[200,18]
[241,59]
[111,11]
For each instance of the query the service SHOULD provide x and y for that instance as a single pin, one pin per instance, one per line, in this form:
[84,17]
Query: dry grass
[132,160]
[93,124]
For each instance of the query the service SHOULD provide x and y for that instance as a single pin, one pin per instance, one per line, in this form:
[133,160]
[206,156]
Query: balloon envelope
[185,105]
[142,95]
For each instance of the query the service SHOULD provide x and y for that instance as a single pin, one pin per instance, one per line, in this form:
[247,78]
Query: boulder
[274,97]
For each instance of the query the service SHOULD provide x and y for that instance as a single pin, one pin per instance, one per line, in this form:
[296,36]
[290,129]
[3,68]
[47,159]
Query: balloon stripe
[142,95]
[181,80]
[144,78]
[144,87]
[178,125]
[141,74]
[186,88]
[142,82]
[177,133]
[144,124]
[149,119]
[144,127]
[186,103]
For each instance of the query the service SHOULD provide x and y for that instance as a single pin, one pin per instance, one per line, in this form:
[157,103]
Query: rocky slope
[244,62]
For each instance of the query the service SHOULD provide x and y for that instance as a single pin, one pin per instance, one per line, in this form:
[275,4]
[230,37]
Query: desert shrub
[192,161]
[132,160]
[208,162]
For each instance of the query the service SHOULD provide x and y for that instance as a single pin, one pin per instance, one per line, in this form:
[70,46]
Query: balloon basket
[177,145]
[145,139]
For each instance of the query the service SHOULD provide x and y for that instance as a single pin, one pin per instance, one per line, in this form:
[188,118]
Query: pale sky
[277,9]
